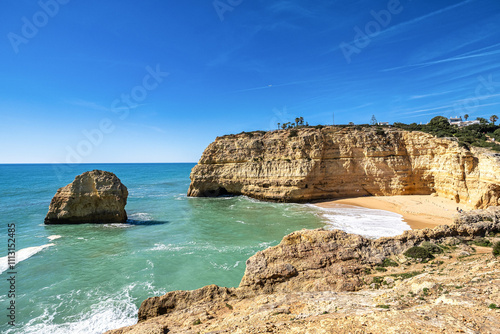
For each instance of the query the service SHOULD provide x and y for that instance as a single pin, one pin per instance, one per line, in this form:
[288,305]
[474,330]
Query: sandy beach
[419,211]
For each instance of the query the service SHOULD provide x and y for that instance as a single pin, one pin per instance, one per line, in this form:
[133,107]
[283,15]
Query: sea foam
[109,312]
[22,255]
[370,223]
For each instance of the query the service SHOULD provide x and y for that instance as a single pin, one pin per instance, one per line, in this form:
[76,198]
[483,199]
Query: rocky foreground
[302,165]
[318,281]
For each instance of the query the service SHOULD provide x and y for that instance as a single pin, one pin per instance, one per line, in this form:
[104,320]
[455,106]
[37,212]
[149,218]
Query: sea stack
[96,197]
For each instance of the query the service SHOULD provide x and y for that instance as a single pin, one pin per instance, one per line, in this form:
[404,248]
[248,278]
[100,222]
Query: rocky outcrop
[312,164]
[323,260]
[322,281]
[93,197]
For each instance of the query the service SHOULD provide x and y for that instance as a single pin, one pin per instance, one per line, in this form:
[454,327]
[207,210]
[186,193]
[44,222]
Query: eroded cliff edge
[312,164]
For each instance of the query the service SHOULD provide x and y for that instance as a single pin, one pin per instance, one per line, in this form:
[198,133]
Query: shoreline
[418,211]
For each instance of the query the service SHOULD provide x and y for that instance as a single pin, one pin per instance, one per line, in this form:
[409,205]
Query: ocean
[92,278]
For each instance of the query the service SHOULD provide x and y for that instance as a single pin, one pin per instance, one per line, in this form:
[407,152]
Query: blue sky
[157,81]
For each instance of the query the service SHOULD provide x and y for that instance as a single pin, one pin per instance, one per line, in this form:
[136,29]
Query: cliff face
[345,162]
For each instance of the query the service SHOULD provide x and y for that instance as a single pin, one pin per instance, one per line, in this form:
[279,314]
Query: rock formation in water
[93,197]
[332,282]
[312,164]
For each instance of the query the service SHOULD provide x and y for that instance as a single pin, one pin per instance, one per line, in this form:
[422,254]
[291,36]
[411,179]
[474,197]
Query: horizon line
[90,163]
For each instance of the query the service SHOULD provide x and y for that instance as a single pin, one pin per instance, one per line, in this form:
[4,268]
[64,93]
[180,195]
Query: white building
[457,120]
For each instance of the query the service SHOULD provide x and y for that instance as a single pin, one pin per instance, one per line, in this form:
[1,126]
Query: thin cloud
[448,107]
[452,105]
[291,7]
[89,105]
[403,25]
[446,60]
[98,107]
[424,17]
[274,86]
[430,95]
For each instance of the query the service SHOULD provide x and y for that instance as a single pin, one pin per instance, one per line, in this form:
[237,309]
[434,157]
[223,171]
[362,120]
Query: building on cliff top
[459,122]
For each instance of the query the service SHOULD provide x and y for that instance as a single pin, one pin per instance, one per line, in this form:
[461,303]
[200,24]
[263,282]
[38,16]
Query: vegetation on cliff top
[484,134]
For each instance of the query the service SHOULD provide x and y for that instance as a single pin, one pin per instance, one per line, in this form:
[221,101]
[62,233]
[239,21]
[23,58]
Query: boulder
[93,197]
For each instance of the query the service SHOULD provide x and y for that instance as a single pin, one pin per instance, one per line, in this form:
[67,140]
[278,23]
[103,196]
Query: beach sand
[418,211]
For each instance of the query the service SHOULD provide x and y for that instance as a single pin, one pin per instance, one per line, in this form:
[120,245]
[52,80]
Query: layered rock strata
[299,286]
[312,164]
[93,197]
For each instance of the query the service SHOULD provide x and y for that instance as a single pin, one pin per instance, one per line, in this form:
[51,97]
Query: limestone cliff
[345,162]
[93,197]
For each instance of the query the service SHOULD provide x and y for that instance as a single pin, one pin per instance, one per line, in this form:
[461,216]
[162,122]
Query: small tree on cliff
[466,116]
[493,118]
[440,127]
[482,120]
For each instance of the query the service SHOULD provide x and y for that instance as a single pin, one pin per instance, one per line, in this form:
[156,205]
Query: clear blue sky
[73,70]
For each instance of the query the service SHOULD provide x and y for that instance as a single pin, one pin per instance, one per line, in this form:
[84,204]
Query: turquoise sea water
[91,278]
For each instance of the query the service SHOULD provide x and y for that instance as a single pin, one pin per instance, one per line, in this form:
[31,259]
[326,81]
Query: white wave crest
[370,223]
[22,255]
[110,312]
[140,216]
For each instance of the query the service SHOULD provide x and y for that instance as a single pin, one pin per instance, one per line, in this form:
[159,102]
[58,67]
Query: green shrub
[496,248]
[407,275]
[383,306]
[493,306]
[259,132]
[496,134]
[431,247]
[418,253]
[380,269]
[481,242]
[293,133]
[389,263]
